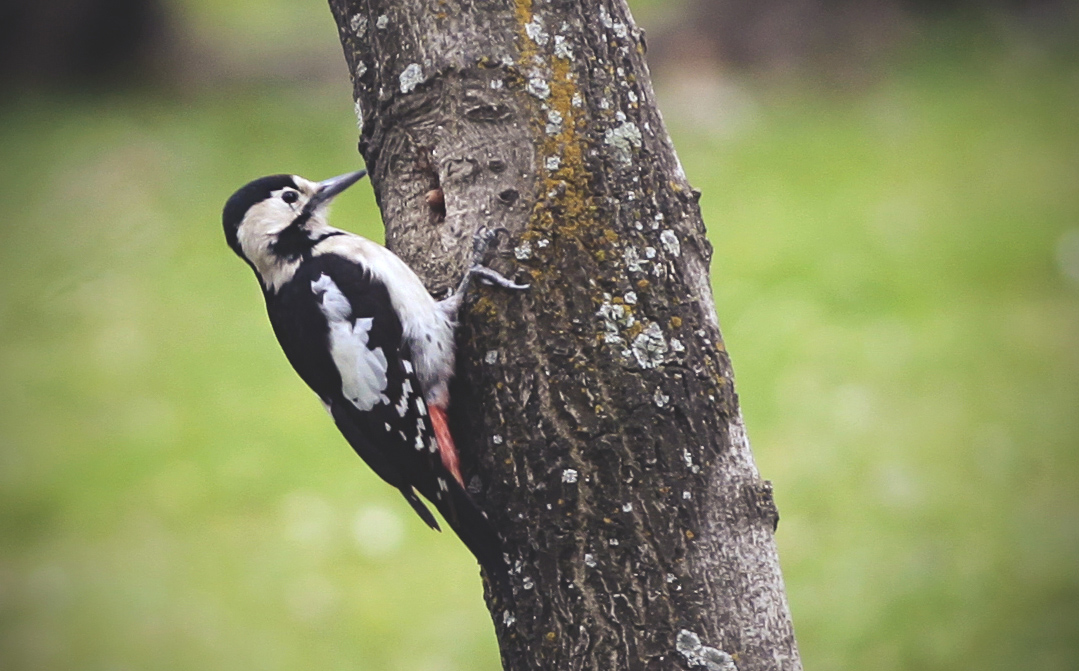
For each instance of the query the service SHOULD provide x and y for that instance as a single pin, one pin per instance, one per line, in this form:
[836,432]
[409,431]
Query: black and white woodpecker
[362,331]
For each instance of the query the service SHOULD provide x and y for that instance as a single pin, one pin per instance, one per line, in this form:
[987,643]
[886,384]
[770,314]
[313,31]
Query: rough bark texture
[596,413]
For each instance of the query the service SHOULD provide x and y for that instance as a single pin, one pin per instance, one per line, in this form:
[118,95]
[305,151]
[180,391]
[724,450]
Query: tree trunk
[595,413]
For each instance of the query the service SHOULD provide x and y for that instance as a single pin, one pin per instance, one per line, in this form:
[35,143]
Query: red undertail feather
[446,448]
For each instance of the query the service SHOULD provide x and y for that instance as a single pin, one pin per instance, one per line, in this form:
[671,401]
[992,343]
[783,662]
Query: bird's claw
[489,276]
[481,244]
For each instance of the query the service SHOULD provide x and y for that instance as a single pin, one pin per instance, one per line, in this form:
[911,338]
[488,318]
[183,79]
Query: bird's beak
[329,188]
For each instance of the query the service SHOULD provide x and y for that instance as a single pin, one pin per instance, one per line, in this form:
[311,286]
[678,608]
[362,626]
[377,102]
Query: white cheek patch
[362,370]
[256,235]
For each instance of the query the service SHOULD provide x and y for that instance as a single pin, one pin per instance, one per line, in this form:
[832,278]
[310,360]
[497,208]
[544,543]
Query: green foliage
[906,344]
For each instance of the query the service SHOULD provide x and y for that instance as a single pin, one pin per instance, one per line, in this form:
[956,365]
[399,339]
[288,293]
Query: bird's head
[274,219]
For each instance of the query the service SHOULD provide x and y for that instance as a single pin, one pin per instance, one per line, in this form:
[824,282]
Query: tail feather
[475,531]
[419,507]
[461,512]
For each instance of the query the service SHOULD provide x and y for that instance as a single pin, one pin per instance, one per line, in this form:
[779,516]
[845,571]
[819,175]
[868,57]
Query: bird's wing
[356,363]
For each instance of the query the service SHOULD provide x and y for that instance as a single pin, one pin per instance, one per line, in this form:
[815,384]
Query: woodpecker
[362,331]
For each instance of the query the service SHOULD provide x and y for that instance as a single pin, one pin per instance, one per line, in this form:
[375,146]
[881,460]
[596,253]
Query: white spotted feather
[362,370]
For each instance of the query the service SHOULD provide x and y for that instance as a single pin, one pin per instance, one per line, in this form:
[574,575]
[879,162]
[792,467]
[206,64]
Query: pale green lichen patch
[539,88]
[689,645]
[615,317]
[624,139]
[650,346]
[562,49]
[535,31]
[358,24]
[411,77]
[670,242]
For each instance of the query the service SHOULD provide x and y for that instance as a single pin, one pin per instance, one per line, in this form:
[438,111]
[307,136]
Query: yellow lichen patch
[570,182]
[485,307]
[676,322]
[523,9]
[564,189]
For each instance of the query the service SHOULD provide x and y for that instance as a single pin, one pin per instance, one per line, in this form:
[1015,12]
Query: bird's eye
[290,197]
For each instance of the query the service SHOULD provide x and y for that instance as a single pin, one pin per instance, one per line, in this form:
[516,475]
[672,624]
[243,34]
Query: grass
[892,277]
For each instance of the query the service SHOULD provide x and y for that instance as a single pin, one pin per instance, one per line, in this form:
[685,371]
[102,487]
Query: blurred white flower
[378,531]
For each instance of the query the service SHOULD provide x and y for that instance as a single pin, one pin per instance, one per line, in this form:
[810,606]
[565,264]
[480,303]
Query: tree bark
[595,413]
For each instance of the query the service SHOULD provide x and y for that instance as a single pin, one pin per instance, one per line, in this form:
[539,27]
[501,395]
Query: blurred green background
[894,204]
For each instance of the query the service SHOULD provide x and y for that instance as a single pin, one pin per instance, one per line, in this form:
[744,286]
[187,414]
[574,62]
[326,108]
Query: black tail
[460,511]
[475,530]
[419,507]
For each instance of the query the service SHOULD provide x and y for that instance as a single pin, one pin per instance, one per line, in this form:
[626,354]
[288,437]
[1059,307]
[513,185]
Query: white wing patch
[334,304]
[363,370]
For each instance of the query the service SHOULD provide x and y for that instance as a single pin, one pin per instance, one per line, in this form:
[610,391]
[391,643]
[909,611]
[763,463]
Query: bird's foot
[489,276]
[482,242]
